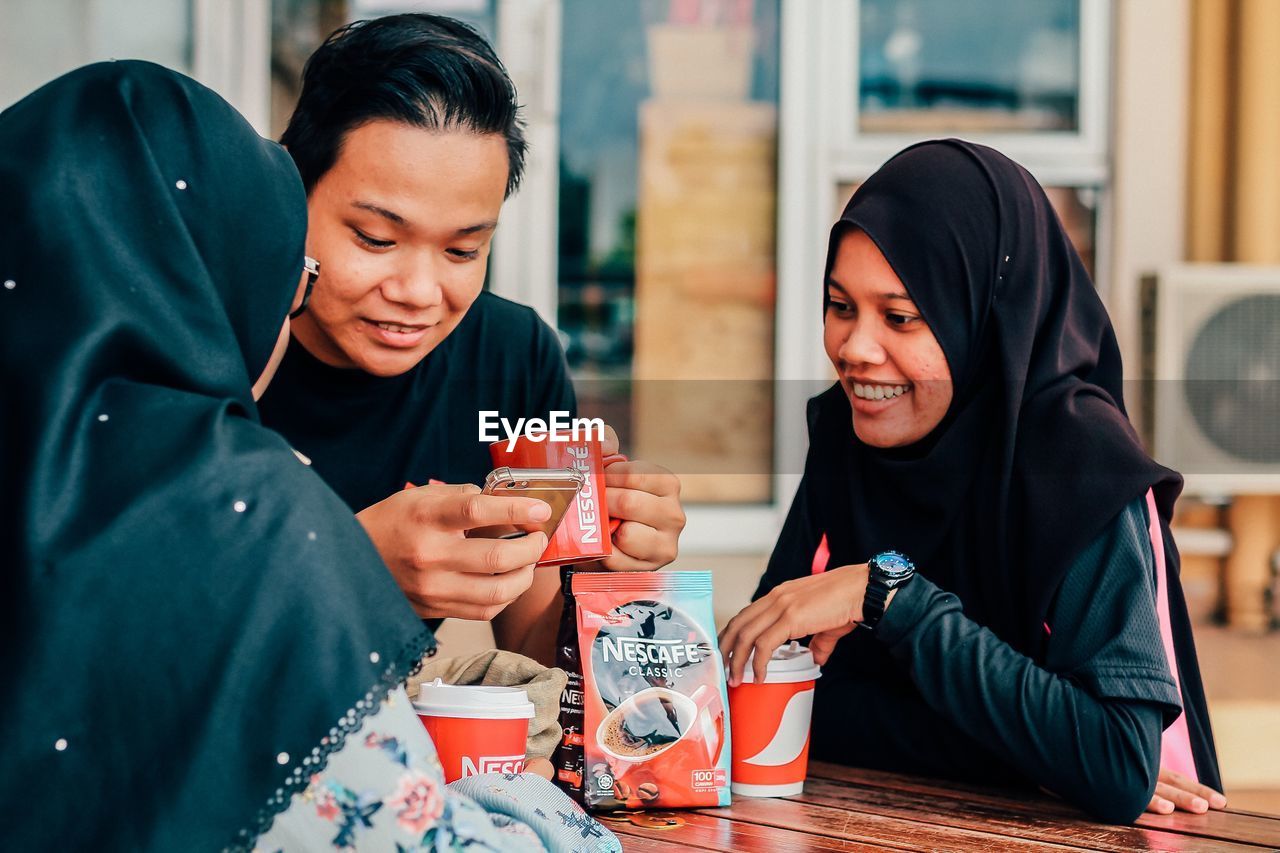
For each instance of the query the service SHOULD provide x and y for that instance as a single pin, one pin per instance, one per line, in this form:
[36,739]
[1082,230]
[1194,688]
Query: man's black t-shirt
[367,436]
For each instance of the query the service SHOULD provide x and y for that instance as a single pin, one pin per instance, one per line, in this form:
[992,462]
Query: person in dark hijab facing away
[196,629]
[976,500]
[408,137]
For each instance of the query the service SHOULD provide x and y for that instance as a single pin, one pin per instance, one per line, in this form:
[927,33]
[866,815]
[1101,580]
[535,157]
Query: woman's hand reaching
[826,606]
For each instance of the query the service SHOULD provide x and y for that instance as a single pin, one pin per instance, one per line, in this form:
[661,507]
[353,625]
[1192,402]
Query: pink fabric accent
[821,557]
[1047,630]
[1175,746]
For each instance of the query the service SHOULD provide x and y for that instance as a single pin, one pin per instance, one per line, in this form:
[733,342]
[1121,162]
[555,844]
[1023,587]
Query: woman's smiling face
[890,364]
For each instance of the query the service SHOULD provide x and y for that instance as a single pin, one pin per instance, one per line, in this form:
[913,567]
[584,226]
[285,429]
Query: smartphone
[557,486]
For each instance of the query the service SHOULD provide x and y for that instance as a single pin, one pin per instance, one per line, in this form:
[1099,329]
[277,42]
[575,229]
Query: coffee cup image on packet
[655,730]
[655,720]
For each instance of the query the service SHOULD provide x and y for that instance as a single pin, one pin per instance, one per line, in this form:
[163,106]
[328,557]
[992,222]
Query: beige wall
[1152,73]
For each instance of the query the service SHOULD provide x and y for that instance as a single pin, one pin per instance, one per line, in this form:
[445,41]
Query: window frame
[1064,158]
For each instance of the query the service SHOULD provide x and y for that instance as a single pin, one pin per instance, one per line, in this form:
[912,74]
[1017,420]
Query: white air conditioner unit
[1216,407]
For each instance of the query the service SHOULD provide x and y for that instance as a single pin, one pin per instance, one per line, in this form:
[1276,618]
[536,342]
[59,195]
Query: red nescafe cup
[771,725]
[475,729]
[583,534]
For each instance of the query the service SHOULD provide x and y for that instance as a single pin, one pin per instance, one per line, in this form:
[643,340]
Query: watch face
[893,565]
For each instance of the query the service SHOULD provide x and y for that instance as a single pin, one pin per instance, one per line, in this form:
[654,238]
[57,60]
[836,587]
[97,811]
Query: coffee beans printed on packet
[654,730]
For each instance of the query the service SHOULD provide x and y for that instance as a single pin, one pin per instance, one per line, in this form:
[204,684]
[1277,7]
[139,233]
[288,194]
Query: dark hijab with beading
[1036,456]
[191,619]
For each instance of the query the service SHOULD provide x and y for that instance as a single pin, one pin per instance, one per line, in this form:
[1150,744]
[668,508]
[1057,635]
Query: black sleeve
[550,387]
[1088,727]
[792,556]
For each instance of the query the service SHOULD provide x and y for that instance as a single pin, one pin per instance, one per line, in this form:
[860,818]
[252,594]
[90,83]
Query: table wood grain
[848,809]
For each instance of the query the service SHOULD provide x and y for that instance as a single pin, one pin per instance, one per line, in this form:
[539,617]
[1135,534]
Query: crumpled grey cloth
[497,668]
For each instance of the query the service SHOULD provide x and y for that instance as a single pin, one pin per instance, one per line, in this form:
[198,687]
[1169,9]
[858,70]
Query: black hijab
[192,620]
[1035,457]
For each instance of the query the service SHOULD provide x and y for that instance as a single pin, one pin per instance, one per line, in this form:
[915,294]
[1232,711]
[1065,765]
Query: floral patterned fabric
[384,790]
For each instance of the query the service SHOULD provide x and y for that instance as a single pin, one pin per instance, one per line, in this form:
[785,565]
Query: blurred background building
[688,156]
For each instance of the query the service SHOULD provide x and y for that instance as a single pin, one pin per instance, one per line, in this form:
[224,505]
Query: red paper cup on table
[475,729]
[771,725]
[584,533]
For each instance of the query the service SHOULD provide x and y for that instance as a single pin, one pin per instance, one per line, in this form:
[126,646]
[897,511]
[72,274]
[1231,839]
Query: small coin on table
[655,821]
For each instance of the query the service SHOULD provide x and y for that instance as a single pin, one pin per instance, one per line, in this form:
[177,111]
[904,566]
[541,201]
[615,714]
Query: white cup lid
[437,699]
[790,663]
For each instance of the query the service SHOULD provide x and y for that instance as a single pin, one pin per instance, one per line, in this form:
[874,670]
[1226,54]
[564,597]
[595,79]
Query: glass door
[666,269]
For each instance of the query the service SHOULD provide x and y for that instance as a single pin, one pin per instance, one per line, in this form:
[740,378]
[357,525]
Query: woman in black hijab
[171,663]
[979,429]
[193,622]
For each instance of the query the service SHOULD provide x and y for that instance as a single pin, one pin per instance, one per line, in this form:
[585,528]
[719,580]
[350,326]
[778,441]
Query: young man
[408,138]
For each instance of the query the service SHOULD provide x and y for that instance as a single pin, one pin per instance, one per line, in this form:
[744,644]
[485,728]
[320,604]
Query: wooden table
[845,809]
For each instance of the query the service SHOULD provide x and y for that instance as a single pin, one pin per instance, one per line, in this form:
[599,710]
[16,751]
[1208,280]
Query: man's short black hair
[428,71]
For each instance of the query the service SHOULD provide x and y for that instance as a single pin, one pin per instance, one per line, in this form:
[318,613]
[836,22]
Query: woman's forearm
[1102,755]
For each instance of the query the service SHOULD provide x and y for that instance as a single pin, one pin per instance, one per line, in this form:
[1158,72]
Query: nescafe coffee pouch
[568,756]
[654,729]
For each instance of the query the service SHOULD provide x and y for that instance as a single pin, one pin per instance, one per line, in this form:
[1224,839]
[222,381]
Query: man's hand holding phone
[421,535]
[557,487]
[644,504]
[644,508]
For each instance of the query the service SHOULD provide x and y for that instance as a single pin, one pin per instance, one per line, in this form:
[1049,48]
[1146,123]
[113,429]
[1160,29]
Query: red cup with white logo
[771,725]
[475,729]
[584,532]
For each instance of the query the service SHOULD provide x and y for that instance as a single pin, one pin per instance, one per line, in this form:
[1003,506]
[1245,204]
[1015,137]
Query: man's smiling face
[401,225]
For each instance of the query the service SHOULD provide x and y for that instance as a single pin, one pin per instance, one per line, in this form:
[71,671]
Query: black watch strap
[873,604]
